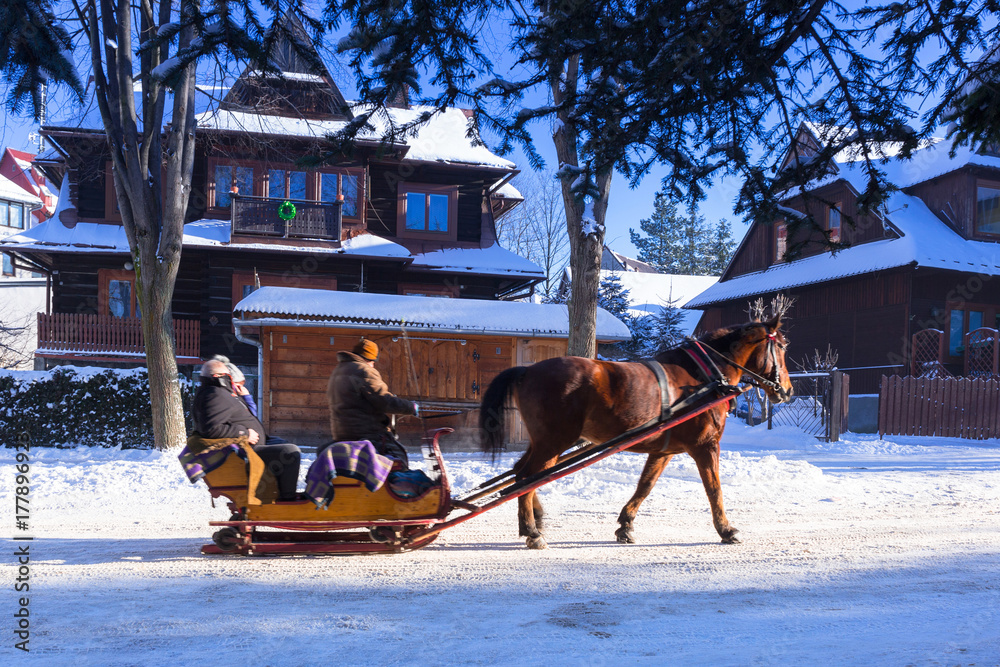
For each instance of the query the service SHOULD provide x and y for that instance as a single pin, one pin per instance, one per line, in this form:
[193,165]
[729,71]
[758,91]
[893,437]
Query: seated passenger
[218,413]
[360,402]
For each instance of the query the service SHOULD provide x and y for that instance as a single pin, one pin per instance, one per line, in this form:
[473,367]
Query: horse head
[767,358]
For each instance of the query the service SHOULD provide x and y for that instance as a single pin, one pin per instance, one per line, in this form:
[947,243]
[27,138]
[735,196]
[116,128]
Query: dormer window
[780,240]
[426,211]
[988,208]
[833,222]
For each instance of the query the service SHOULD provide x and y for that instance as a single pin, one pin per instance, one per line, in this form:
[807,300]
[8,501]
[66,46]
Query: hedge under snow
[70,406]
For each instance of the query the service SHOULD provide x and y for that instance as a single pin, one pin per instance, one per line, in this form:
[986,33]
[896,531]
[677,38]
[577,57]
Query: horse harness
[714,378]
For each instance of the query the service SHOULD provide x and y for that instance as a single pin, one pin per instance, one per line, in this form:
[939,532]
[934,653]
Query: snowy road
[854,553]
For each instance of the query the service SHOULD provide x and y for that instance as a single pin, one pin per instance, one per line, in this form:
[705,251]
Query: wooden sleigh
[356,521]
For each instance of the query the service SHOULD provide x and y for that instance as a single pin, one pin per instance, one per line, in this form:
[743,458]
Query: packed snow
[862,552]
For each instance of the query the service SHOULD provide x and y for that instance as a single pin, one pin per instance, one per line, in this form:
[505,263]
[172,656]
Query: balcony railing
[72,334]
[259,216]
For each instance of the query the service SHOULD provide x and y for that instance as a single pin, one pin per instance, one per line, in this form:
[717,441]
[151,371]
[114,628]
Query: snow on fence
[946,407]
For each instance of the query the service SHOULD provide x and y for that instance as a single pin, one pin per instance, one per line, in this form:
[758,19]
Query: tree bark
[139,164]
[586,245]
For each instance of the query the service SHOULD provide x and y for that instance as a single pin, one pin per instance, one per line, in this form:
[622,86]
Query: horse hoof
[730,537]
[625,536]
[536,542]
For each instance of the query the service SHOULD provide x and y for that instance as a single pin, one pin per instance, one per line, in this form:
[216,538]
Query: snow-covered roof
[442,139]
[929,161]
[492,261]
[11,191]
[650,292]
[311,307]
[508,191]
[924,241]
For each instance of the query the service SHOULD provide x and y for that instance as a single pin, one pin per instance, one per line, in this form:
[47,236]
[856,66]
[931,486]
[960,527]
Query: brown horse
[567,398]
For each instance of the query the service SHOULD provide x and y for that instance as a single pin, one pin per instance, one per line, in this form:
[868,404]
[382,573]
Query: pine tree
[668,327]
[721,249]
[613,297]
[682,244]
[630,85]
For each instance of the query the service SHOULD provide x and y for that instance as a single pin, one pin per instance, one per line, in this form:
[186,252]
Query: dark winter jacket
[360,402]
[219,414]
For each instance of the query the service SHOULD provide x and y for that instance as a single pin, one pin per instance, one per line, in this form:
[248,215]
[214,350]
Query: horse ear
[774,323]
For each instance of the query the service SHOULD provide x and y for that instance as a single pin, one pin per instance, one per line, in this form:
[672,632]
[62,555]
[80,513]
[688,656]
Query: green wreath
[286,211]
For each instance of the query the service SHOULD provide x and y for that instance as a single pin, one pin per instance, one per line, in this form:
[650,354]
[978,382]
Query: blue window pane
[955,331]
[835,221]
[438,213]
[349,188]
[988,210]
[328,187]
[415,211]
[296,185]
[16,216]
[119,298]
[223,182]
[244,181]
[276,183]
[975,319]
[3,213]
[8,267]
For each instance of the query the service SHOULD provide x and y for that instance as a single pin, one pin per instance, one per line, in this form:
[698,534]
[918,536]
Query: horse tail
[492,425]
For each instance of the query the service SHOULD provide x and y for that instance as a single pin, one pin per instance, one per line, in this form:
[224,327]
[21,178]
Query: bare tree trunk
[152,208]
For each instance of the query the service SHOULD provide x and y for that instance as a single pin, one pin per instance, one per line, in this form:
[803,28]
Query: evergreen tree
[682,244]
[613,297]
[721,249]
[630,85]
[668,327]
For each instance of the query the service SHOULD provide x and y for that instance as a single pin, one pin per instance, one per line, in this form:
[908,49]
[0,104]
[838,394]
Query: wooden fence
[947,407]
[89,335]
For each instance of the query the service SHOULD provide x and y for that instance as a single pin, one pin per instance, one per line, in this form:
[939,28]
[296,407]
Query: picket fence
[945,407]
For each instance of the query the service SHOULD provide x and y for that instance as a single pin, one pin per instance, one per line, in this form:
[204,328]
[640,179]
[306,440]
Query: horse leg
[537,510]
[655,464]
[707,459]
[529,508]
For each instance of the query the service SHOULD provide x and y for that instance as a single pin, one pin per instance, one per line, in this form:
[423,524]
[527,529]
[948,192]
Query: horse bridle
[772,353]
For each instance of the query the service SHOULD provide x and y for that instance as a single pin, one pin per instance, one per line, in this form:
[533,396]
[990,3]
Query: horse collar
[709,369]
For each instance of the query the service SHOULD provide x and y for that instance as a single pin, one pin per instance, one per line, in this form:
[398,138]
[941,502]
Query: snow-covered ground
[862,552]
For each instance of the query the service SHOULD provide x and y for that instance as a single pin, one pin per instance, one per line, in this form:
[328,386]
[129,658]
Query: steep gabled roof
[304,87]
[924,241]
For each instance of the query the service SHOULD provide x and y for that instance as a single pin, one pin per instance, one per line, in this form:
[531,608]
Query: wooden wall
[864,319]
[445,374]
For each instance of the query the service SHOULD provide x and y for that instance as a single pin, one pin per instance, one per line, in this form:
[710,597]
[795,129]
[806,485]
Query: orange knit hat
[366,350]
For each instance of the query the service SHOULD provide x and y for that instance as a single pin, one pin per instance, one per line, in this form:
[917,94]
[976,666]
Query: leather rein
[758,379]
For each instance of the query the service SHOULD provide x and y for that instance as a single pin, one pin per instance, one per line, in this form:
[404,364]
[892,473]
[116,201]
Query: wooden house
[417,218]
[925,268]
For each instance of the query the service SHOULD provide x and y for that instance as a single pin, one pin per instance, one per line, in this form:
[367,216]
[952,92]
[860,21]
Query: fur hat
[366,350]
[235,373]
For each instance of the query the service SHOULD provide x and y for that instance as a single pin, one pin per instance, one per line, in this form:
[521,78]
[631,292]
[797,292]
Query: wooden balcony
[106,338]
[258,216]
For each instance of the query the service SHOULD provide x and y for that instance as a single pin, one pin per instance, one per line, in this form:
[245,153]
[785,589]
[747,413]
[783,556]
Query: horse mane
[719,339]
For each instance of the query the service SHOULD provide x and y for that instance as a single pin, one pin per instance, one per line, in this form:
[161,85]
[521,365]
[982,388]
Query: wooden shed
[440,352]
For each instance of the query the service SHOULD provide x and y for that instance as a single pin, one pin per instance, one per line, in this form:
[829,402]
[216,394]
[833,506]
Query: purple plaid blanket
[357,460]
[197,466]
